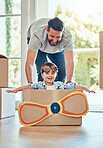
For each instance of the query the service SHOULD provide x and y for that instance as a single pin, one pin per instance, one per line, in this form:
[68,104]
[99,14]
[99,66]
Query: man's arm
[69,66]
[29,62]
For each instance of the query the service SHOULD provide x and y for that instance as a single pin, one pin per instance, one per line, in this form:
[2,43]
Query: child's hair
[47,66]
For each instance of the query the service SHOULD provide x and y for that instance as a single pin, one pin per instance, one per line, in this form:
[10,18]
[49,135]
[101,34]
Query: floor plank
[90,134]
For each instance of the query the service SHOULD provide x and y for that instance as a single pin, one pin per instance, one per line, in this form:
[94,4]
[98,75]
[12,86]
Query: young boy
[49,72]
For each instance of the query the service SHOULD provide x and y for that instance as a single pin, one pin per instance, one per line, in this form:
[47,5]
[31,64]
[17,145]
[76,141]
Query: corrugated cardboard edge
[2,56]
[101,58]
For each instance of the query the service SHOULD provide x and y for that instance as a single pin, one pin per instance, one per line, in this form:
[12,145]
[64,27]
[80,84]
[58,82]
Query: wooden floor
[89,135]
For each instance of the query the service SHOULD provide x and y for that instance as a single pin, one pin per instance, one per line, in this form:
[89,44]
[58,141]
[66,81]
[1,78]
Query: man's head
[49,72]
[54,31]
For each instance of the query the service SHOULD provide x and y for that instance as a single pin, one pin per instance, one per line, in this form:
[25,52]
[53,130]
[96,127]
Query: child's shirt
[56,85]
[50,87]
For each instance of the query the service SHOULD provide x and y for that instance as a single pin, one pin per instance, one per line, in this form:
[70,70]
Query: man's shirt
[38,38]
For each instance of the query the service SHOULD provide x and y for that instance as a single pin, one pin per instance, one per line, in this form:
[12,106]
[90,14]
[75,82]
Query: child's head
[49,72]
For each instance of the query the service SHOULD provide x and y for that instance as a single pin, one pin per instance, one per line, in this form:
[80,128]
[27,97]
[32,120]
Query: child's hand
[11,91]
[91,91]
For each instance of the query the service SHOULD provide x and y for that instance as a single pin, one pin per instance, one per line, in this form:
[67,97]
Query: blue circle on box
[55,108]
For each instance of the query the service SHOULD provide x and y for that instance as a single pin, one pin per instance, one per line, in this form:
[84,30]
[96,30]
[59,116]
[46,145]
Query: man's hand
[68,82]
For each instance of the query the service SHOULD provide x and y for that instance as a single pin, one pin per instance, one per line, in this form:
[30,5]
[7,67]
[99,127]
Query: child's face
[49,77]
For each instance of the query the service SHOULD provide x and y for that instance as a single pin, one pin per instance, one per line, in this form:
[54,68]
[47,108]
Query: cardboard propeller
[31,113]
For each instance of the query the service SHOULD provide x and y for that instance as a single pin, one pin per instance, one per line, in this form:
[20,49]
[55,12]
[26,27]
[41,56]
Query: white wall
[31,10]
[28,16]
[42,8]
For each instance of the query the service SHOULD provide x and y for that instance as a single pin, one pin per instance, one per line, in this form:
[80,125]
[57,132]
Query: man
[49,38]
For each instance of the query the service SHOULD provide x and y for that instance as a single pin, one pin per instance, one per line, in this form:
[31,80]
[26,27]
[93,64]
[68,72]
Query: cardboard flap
[2,56]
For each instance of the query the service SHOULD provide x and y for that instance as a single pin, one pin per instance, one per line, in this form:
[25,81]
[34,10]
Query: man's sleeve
[70,45]
[34,43]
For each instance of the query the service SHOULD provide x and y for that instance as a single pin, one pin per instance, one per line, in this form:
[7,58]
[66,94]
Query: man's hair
[56,24]
[48,64]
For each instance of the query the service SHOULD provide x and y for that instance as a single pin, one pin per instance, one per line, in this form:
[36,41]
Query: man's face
[54,36]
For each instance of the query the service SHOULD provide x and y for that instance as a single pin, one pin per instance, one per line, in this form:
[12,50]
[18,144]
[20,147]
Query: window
[10,41]
[84,20]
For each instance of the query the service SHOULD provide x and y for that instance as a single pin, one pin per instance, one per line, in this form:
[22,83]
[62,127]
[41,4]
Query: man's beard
[52,41]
